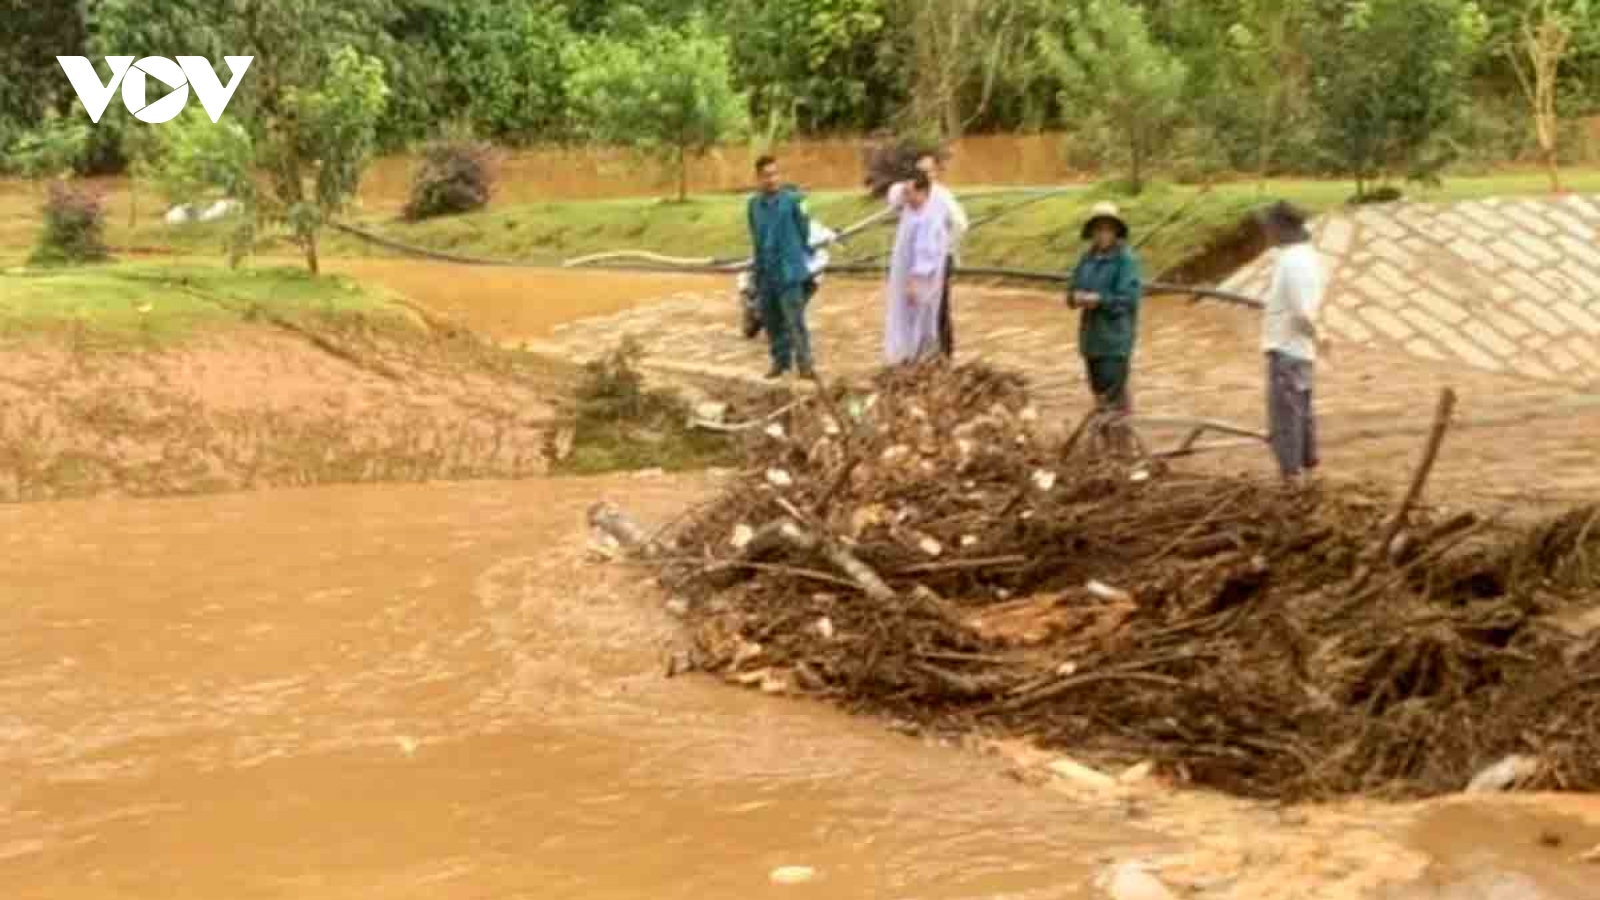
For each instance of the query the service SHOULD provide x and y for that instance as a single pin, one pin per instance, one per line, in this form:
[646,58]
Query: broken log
[610,520]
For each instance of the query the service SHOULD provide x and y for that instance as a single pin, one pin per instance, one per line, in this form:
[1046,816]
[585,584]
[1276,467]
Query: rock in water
[1129,881]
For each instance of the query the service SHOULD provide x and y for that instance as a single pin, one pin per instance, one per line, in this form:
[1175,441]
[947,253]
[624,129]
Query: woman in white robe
[916,274]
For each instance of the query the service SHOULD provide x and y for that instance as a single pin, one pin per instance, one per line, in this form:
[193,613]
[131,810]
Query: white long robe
[911,316]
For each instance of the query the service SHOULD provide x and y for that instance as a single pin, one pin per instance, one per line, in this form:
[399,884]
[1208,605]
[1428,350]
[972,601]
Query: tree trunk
[1553,165]
[683,175]
[311,254]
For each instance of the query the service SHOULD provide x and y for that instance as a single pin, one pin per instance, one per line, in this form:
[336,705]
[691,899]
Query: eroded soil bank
[268,402]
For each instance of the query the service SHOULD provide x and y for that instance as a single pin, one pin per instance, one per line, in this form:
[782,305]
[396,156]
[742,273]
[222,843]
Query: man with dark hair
[779,228]
[1289,338]
[955,221]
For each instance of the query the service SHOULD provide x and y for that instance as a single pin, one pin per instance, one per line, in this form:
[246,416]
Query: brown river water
[422,692]
[429,691]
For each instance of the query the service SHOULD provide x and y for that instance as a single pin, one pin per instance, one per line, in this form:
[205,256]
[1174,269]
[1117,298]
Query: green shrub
[74,227]
[455,177]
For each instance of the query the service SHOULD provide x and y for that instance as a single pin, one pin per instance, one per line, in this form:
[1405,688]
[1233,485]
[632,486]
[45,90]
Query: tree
[508,65]
[325,134]
[1543,42]
[812,62]
[1390,76]
[1109,67]
[195,160]
[668,92]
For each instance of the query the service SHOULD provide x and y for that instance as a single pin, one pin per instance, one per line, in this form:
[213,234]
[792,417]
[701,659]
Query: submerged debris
[1208,625]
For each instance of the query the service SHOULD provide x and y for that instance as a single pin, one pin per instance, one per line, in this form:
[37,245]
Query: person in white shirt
[955,219]
[1289,338]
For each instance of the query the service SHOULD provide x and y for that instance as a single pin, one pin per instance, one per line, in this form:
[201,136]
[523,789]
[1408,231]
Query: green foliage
[74,227]
[669,93]
[624,424]
[195,160]
[455,177]
[508,64]
[1390,76]
[52,149]
[328,130]
[815,61]
[1111,69]
[32,86]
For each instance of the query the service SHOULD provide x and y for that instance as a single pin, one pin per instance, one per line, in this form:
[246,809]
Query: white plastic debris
[742,536]
[714,413]
[1029,414]
[1044,479]
[1067,669]
[791,875]
[1139,475]
[779,478]
[219,210]
[1504,775]
[930,546]
[968,540]
[825,628]
[1080,775]
[179,215]
[830,427]
[775,431]
[1106,592]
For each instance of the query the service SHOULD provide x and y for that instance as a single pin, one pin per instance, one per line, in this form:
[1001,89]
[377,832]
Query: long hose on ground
[649,261]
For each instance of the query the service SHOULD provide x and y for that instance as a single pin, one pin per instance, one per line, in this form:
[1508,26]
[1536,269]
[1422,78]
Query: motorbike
[817,242]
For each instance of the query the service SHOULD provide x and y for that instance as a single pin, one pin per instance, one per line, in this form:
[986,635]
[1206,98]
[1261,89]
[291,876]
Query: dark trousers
[783,312]
[1291,424]
[947,331]
[1108,378]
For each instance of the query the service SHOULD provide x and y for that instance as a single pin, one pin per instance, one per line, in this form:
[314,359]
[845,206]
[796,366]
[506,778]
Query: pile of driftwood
[918,548]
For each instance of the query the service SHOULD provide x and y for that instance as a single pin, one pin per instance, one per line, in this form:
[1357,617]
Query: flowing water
[424,692]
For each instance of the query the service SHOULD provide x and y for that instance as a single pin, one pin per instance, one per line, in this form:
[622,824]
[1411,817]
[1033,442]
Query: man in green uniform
[1106,286]
[778,231]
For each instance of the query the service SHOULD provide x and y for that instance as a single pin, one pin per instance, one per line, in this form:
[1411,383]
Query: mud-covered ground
[265,403]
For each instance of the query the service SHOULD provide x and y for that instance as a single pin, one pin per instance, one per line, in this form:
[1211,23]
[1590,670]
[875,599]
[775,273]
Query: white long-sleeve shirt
[956,222]
[1296,291]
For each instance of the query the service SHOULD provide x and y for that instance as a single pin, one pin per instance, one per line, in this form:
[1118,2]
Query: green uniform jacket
[1109,330]
[779,228]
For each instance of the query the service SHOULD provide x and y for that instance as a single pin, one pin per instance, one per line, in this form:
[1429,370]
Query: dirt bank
[339,397]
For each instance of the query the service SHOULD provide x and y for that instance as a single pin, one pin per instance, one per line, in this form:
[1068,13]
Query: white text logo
[132,77]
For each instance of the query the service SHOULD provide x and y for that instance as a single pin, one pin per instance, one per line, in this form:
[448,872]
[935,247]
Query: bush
[455,177]
[74,227]
[891,159]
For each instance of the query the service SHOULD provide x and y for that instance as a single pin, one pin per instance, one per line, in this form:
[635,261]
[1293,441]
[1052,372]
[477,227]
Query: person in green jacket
[779,228]
[1106,287]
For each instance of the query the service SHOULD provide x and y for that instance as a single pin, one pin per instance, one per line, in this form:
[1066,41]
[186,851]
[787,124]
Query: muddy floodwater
[524,304]
[424,692]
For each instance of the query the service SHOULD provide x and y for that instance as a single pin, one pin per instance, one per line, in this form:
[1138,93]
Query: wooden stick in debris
[1430,452]
[1441,424]
[633,537]
[789,531]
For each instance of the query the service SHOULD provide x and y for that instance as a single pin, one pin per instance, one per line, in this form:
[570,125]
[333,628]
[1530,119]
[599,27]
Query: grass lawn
[147,303]
[1043,235]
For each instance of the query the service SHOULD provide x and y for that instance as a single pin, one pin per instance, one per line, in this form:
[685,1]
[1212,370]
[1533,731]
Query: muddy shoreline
[274,402]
